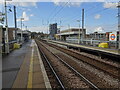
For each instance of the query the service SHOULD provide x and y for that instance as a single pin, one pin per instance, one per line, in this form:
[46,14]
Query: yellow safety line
[29,85]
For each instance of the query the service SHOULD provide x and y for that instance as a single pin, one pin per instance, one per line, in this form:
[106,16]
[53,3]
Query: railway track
[61,81]
[107,68]
[53,77]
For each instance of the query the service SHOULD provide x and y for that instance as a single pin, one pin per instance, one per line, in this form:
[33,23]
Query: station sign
[113,36]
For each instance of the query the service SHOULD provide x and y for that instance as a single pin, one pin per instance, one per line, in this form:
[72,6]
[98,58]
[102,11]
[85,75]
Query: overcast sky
[99,16]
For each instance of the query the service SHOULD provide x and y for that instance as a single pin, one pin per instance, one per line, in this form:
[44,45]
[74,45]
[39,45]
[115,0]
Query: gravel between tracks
[108,61]
[106,80]
[50,75]
[69,79]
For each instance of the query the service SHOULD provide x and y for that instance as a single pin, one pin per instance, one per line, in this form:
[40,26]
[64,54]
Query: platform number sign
[113,36]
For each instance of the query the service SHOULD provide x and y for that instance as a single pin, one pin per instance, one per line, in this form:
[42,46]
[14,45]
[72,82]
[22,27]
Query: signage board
[113,36]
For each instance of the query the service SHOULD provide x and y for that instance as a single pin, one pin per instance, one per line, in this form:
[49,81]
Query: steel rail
[114,75]
[78,73]
[58,79]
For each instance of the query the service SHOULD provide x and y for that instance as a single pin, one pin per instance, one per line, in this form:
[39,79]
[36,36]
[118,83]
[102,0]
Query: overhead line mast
[119,24]
[15,23]
[83,36]
[6,25]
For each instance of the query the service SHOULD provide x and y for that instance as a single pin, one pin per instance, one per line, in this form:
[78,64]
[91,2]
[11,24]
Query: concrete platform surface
[23,68]
[112,51]
[11,65]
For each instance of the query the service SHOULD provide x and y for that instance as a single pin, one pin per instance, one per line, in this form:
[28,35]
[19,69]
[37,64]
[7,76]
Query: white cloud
[60,1]
[77,3]
[18,19]
[102,28]
[24,4]
[27,3]
[43,29]
[92,29]
[26,18]
[29,9]
[77,0]
[83,0]
[110,5]
[24,15]
[97,16]
[67,4]
[31,15]
[99,29]
[24,8]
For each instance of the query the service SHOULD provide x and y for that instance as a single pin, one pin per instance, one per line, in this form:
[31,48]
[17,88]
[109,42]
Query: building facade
[12,38]
[26,35]
[71,35]
[100,36]
[53,31]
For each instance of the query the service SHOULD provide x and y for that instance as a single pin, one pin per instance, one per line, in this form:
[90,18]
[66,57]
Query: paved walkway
[23,68]
[11,65]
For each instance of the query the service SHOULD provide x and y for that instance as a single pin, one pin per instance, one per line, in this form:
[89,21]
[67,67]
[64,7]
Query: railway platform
[102,52]
[23,68]
[113,51]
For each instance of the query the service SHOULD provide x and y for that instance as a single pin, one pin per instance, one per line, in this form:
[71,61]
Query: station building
[26,35]
[99,36]
[71,35]
[11,37]
[96,38]
[92,39]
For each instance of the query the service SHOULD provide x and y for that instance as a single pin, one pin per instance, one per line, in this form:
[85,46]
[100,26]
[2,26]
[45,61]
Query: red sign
[112,37]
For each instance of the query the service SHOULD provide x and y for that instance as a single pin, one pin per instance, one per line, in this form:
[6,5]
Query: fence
[91,42]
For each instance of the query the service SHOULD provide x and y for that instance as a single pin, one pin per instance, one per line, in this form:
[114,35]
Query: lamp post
[6,26]
[69,29]
[26,27]
[7,40]
[15,23]
[79,32]
[60,30]
[47,27]
[83,36]
[21,30]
